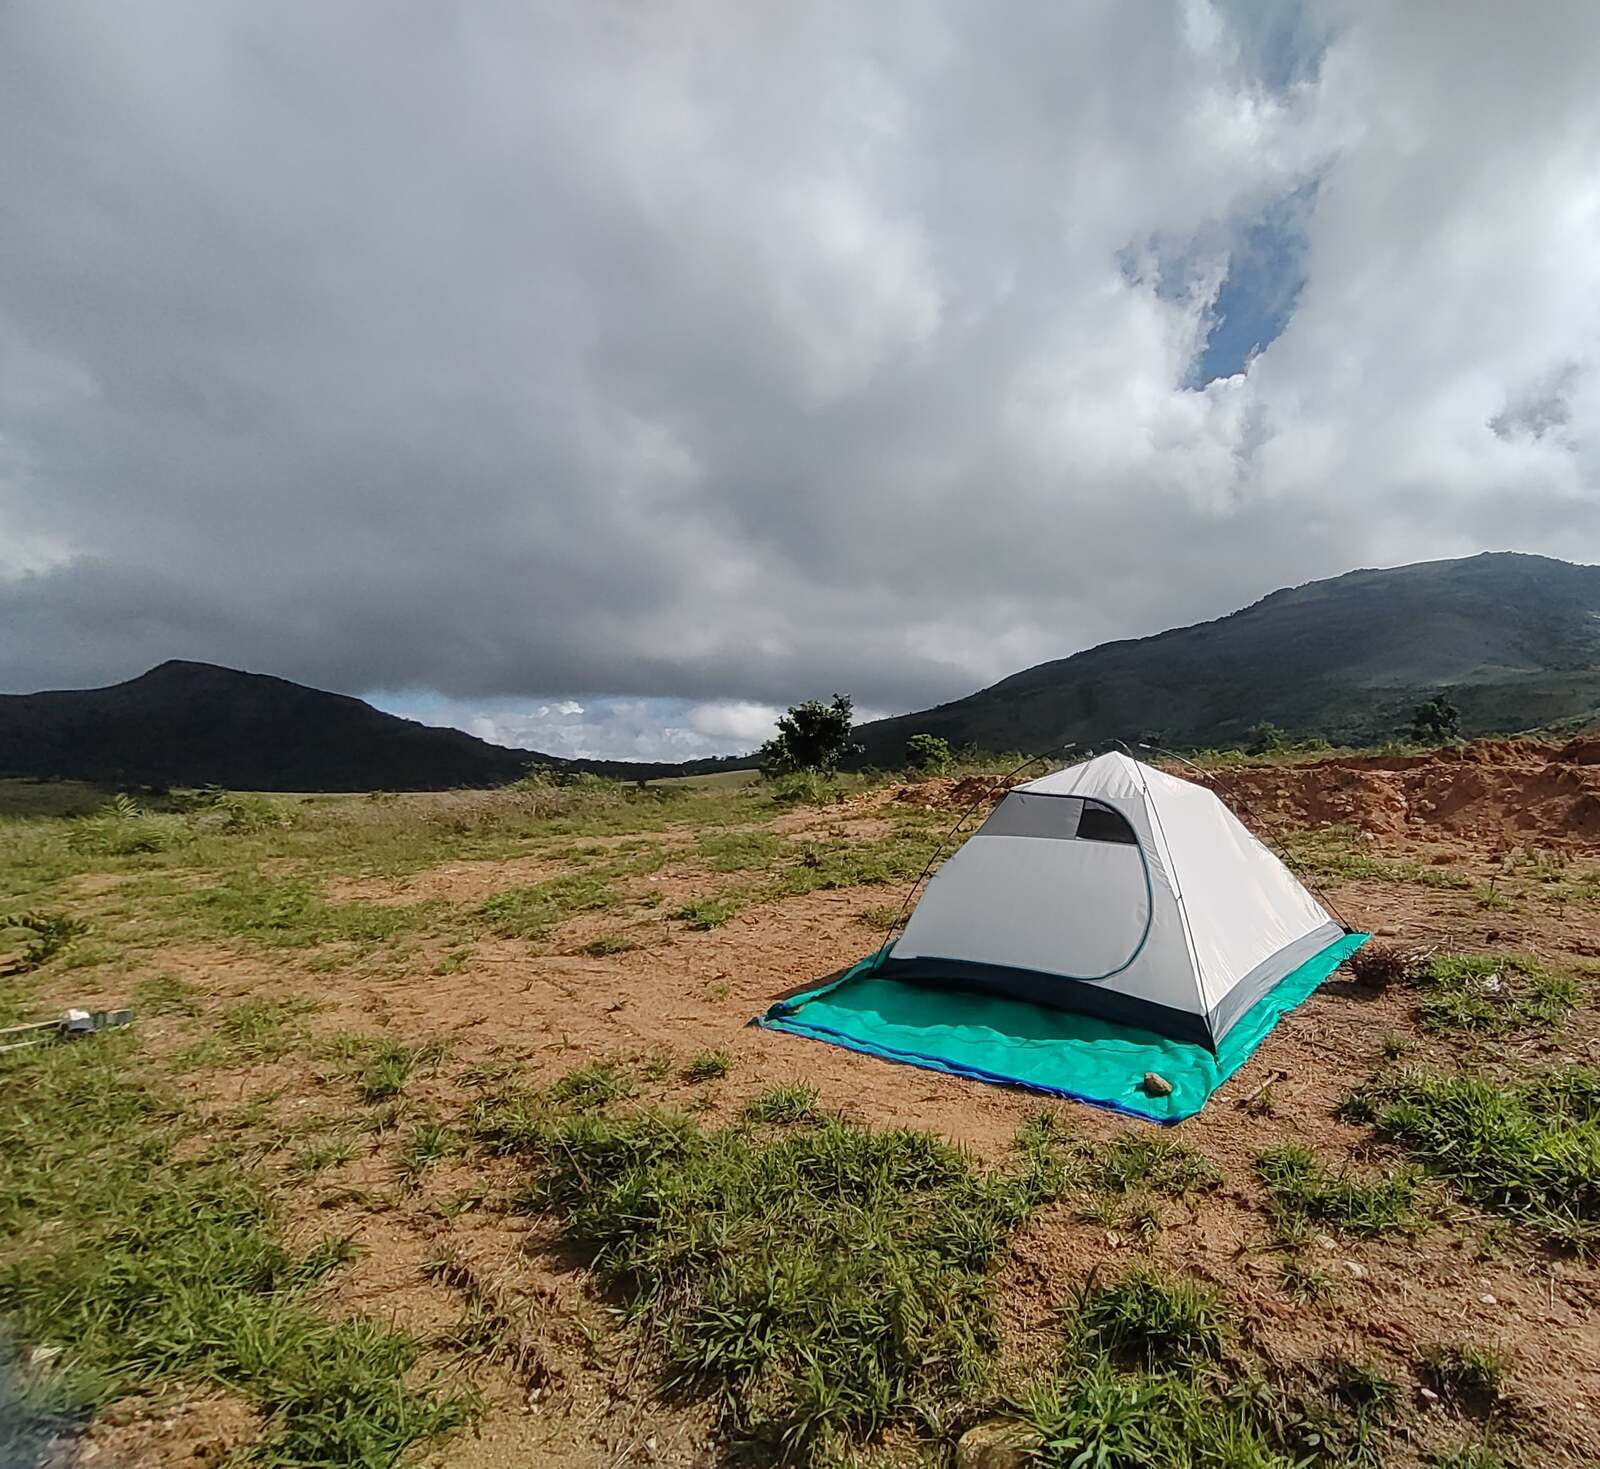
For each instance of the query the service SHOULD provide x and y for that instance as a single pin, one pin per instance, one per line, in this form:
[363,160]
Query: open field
[441,1137]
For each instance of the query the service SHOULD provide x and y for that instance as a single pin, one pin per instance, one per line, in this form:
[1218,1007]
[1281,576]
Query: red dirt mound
[1498,791]
[955,795]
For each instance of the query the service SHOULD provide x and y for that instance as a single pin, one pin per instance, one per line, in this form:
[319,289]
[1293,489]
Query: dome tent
[1117,891]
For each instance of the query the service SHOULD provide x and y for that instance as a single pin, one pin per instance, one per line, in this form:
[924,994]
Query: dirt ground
[575,1396]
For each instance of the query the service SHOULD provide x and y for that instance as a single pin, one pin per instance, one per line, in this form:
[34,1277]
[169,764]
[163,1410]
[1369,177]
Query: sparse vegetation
[704,913]
[1473,1375]
[784,1105]
[1494,993]
[1530,1148]
[1152,1318]
[1303,1189]
[815,1287]
[152,1263]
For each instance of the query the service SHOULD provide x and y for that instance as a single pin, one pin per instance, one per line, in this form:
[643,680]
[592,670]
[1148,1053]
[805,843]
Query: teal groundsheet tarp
[1018,1044]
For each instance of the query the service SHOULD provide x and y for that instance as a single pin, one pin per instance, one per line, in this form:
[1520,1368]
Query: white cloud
[672,363]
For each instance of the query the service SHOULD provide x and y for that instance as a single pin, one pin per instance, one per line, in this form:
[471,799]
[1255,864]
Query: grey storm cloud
[733,353]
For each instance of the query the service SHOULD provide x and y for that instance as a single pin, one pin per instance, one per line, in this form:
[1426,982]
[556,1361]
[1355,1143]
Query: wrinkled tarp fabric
[1052,1051]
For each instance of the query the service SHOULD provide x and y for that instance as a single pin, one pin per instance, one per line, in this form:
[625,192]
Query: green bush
[811,736]
[928,753]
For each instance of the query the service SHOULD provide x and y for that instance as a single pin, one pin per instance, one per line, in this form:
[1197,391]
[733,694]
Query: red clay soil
[1498,792]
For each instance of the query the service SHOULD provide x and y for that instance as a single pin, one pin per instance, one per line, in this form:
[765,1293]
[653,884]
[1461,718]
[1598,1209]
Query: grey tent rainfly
[1130,904]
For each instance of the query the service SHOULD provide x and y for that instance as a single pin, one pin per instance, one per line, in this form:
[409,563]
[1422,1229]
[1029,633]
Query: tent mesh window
[1101,824]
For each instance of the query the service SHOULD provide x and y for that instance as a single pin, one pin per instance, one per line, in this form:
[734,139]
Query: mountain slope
[1515,638]
[197,724]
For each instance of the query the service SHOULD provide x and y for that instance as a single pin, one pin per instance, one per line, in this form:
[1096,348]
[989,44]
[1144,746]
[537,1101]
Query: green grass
[593,1086]
[430,1143]
[706,913]
[151,1263]
[1138,1161]
[815,1284]
[166,994]
[1302,1189]
[708,1066]
[1529,1149]
[1147,1316]
[1342,852]
[1149,1376]
[380,1066]
[783,1105]
[1469,1456]
[1493,994]
[1302,1281]
[291,913]
[264,1030]
[531,912]
[740,851]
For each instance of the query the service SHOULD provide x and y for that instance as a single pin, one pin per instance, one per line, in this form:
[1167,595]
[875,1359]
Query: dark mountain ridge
[1514,638]
[196,724]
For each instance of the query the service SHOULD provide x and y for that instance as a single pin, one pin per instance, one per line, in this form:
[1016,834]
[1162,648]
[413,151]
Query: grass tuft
[1302,1188]
[591,1087]
[704,913]
[1147,1316]
[1529,1149]
[1471,1375]
[1491,994]
[708,1066]
[783,1105]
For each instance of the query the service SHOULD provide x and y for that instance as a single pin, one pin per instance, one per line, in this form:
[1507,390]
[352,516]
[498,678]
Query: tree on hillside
[1435,721]
[1265,738]
[811,736]
[928,753]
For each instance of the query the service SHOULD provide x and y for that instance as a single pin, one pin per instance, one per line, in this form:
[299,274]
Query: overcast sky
[599,376]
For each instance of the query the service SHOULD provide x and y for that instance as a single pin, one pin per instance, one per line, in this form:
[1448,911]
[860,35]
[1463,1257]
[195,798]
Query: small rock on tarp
[1156,1085]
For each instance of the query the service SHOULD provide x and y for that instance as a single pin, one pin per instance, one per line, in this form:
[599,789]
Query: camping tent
[1116,890]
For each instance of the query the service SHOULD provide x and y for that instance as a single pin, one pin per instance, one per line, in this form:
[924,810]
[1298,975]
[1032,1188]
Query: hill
[1514,638]
[196,724]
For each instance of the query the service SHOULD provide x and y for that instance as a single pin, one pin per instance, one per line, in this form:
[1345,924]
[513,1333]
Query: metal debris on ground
[68,1026]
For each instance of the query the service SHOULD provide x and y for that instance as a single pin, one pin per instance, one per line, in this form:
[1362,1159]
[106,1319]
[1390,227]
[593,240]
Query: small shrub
[1379,965]
[708,1066]
[122,828]
[52,934]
